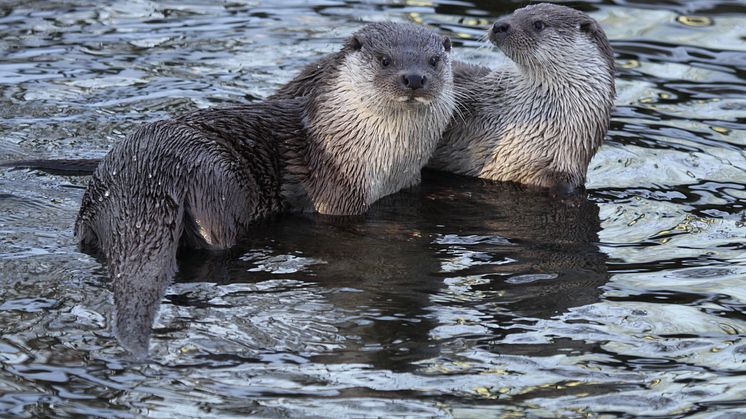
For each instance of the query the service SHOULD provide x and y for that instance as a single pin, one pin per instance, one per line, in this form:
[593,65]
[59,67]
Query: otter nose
[413,81]
[499,28]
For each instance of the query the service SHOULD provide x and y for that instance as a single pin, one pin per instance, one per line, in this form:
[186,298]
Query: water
[460,298]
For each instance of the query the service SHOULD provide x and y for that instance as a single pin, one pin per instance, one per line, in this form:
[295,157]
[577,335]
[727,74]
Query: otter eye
[385,61]
[434,60]
[539,25]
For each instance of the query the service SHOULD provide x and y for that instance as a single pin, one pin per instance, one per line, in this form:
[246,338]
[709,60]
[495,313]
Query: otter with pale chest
[539,118]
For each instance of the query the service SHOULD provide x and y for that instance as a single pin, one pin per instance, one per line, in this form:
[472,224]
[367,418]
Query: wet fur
[200,179]
[392,142]
[539,119]
[351,96]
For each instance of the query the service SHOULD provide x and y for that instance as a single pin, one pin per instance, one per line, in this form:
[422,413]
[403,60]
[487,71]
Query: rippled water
[460,298]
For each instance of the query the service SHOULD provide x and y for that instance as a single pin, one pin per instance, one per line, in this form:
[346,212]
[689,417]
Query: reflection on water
[458,298]
[389,276]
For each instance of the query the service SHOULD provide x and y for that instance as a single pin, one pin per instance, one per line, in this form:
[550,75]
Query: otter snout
[500,31]
[499,27]
[413,81]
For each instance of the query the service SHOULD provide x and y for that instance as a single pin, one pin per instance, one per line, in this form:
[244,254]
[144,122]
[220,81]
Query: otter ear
[447,43]
[353,43]
[586,26]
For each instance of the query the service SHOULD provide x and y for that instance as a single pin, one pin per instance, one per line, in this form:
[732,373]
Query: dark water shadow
[536,256]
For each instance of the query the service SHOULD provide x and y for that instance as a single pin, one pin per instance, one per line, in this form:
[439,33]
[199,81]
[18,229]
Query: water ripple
[459,298]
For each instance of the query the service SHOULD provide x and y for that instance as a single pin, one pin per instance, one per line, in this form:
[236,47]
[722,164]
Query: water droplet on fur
[137,224]
[150,176]
[113,172]
[106,194]
[223,197]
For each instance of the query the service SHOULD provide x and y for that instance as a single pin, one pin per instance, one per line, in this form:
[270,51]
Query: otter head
[398,63]
[555,40]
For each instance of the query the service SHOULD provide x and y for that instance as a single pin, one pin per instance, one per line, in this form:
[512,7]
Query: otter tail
[141,277]
[133,214]
[139,238]
[76,167]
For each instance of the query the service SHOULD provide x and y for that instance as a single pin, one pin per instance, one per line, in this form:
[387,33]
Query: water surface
[459,298]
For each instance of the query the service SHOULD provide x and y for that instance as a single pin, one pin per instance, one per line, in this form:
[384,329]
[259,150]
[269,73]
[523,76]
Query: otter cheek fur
[545,114]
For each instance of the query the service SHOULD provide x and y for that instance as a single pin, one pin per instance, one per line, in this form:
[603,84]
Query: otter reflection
[384,273]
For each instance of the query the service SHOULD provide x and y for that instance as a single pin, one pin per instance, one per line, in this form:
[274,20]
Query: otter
[538,119]
[202,179]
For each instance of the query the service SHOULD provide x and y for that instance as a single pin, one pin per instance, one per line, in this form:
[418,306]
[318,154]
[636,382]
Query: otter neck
[362,145]
[578,65]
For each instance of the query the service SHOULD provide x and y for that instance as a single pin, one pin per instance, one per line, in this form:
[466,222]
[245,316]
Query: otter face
[399,62]
[551,37]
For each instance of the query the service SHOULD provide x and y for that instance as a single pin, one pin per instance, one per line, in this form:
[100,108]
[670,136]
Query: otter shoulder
[476,85]
[468,71]
[311,77]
